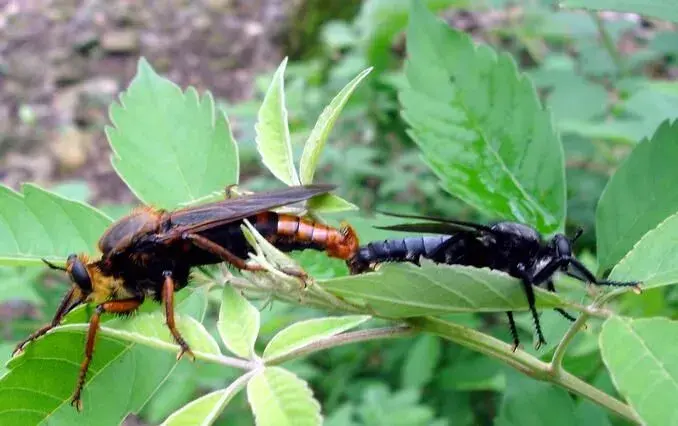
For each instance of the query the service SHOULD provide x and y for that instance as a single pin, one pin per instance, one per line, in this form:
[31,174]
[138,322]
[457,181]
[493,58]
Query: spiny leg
[514,331]
[550,287]
[68,302]
[168,302]
[114,306]
[527,283]
[588,275]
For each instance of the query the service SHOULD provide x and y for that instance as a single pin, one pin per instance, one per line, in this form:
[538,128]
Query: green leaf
[39,224]
[19,284]
[575,98]
[654,259]
[406,290]
[323,127]
[306,332]
[122,356]
[273,133]
[205,410]
[279,398]
[238,323]
[329,203]
[480,126]
[661,9]
[170,146]
[421,362]
[638,196]
[528,402]
[646,371]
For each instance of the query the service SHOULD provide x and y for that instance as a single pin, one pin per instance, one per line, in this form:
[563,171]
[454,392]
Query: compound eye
[563,247]
[79,274]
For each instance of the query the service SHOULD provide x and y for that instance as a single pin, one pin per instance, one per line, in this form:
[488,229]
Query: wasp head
[77,269]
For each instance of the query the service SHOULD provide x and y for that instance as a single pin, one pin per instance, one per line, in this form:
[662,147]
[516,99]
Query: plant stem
[609,44]
[523,362]
[343,339]
[559,354]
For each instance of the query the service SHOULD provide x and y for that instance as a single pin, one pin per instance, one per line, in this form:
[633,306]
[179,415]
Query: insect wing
[196,219]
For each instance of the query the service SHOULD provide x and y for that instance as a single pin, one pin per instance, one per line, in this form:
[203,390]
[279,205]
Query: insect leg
[514,331]
[168,302]
[217,250]
[528,282]
[550,287]
[582,269]
[69,301]
[229,257]
[114,306]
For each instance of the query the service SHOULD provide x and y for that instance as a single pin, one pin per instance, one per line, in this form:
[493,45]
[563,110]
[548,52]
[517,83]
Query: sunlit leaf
[273,133]
[480,126]
[205,410]
[646,371]
[39,224]
[406,290]
[638,196]
[238,323]
[323,127]
[170,146]
[279,398]
[40,381]
[661,9]
[306,332]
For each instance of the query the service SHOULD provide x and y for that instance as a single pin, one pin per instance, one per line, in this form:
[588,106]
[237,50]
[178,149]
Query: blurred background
[608,78]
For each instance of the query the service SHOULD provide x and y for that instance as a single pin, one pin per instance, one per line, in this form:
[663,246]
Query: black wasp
[511,247]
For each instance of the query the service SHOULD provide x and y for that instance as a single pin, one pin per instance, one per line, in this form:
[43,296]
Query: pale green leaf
[170,146]
[421,361]
[39,224]
[238,323]
[329,203]
[407,290]
[132,352]
[639,195]
[306,332]
[661,9]
[273,133]
[480,126]
[205,410]
[654,259]
[641,357]
[321,131]
[279,398]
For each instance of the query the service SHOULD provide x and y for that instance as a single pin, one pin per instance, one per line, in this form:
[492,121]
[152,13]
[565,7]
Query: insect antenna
[577,234]
[53,266]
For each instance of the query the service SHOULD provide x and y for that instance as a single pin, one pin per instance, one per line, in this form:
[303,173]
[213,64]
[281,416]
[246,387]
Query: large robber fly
[511,247]
[150,253]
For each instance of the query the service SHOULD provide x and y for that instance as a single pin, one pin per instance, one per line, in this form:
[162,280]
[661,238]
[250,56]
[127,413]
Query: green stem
[609,44]
[523,362]
[343,339]
[559,354]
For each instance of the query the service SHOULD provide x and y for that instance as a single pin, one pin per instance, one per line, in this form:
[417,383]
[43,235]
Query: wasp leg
[67,304]
[217,250]
[114,306]
[168,302]
[550,287]
[514,331]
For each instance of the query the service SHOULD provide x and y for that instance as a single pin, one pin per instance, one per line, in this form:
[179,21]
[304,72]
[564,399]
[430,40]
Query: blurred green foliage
[603,98]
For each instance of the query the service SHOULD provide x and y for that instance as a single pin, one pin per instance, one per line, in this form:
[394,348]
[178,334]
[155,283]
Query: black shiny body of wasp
[511,247]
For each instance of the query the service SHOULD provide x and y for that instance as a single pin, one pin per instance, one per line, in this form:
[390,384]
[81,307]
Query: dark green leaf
[170,146]
[639,196]
[481,127]
[421,361]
